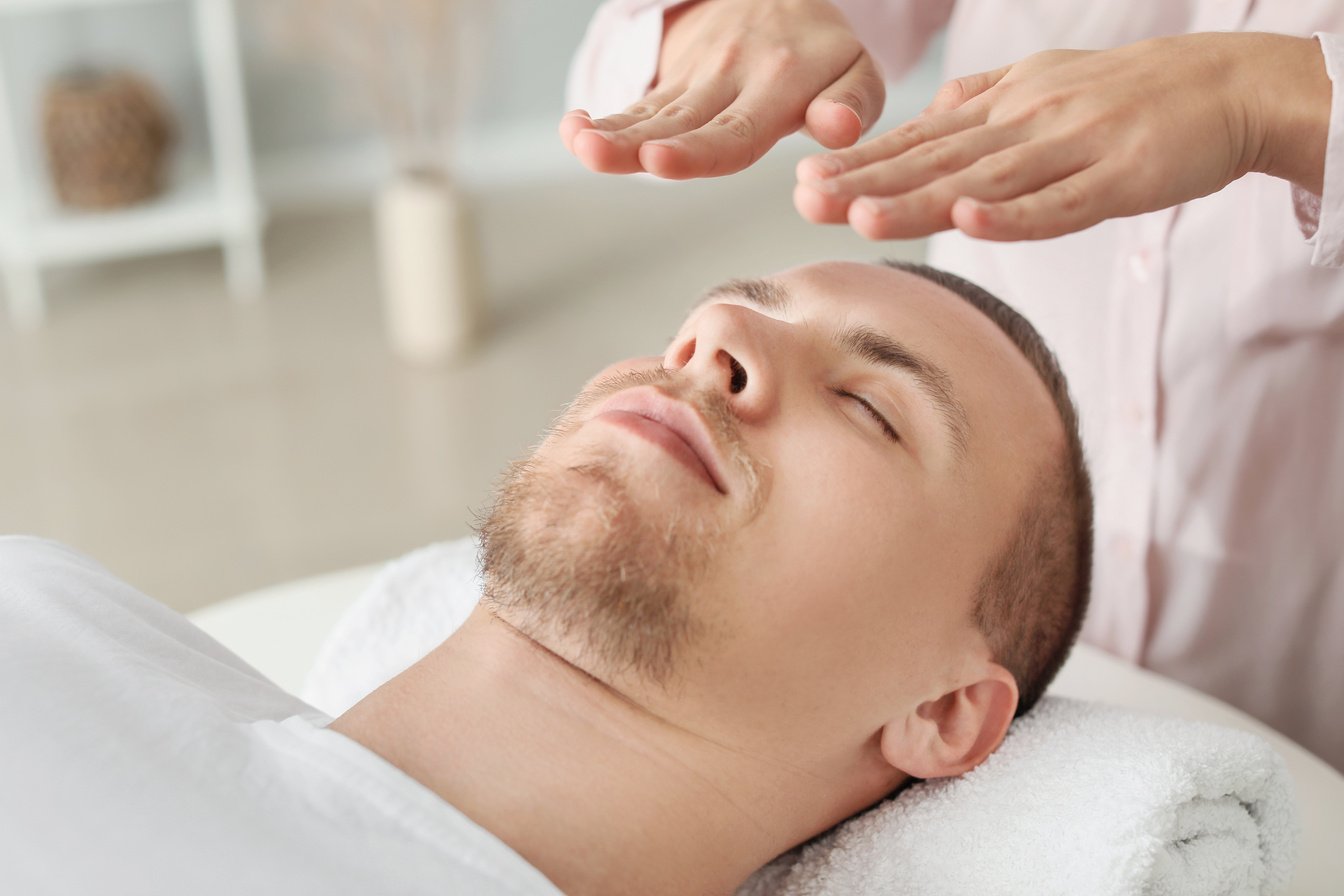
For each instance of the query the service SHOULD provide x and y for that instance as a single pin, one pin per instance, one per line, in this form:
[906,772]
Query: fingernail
[974,206]
[848,109]
[870,205]
[828,187]
[670,144]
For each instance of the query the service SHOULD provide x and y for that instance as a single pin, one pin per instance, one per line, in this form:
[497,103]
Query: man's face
[781,522]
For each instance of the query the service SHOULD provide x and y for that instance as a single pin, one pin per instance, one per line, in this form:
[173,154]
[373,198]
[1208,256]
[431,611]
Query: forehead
[926,316]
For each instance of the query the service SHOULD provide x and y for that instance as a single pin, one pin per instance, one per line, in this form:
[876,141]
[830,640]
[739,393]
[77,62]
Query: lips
[672,425]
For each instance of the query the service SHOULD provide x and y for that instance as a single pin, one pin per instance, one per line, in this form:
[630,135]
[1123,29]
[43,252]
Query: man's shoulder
[46,584]
[68,627]
[25,554]
[40,578]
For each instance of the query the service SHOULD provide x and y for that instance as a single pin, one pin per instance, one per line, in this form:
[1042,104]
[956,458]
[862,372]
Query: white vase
[427,256]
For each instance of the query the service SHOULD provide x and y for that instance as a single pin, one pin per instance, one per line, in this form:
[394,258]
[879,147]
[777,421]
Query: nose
[728,348]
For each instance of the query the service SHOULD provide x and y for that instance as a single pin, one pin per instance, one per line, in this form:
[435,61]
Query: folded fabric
[1081,798]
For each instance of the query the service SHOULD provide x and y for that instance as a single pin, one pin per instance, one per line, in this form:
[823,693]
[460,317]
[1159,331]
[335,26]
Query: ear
[953,733]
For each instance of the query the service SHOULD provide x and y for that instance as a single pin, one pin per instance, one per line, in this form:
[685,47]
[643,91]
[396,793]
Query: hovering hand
[1065,139]
[734,76]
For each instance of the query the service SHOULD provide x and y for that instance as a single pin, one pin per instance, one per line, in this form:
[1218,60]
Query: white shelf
[218,206]
[189,215]
[25,7]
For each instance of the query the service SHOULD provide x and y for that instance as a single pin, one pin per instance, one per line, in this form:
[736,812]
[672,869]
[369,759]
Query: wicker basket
[107,136]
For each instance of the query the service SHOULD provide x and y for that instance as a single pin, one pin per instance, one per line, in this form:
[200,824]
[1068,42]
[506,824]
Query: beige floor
[201,448]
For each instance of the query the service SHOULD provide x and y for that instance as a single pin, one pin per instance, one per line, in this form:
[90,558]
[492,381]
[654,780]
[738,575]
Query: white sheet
[139,756]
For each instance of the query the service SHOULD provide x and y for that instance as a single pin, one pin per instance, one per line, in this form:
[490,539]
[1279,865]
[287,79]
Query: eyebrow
[869,345]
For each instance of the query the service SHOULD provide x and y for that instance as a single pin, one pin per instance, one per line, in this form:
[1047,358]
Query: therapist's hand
[734,76]
[1065,139]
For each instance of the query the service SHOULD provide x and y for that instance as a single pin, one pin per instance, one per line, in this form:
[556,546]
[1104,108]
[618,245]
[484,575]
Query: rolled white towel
[1082,798]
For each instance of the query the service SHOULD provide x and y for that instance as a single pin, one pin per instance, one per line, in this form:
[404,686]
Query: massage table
[280,629]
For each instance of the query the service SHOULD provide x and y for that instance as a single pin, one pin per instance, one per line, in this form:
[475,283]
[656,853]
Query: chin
[572,559]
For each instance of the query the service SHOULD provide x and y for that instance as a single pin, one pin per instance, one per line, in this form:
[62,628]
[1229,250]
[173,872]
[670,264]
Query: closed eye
[872,412]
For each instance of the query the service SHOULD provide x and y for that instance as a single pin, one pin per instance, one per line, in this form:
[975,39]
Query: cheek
[853,546]
[830,593]
[842,591]
[850,499]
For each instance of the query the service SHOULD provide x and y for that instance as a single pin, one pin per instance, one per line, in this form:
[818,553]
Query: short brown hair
[1030,602]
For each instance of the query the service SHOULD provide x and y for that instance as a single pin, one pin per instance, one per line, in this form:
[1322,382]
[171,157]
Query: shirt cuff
[1321,218]
[618,58]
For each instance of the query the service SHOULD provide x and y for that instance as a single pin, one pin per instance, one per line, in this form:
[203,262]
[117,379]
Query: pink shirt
[1205,347]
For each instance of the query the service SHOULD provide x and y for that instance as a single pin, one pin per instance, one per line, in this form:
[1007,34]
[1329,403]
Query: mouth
[672,425]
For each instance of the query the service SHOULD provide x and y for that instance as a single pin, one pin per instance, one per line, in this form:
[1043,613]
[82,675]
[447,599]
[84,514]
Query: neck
[599,794]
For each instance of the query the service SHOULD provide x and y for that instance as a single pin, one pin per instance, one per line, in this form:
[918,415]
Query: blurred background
[286,284]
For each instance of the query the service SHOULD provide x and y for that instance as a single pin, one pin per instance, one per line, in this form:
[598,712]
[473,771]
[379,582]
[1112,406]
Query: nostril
[678,356]
[738,381]
[688,352]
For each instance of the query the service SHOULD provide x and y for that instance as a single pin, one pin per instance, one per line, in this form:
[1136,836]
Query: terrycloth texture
[1081,798]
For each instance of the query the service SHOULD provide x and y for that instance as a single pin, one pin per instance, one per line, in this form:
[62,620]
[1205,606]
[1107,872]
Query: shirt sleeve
[618,58]
[1322,217]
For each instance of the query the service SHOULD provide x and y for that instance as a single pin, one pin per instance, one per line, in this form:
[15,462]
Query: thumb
[839,115]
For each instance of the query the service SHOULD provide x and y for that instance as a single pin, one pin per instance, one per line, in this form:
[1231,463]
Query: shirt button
[1139,268]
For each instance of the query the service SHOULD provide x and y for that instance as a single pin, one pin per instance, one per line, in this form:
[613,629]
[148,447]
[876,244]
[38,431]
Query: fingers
[827,201]
[992,183]
[886,146]
[841,113]
[1064,206]
[611,145]
[733,139]
[577,120]
[957,91]
[765,112]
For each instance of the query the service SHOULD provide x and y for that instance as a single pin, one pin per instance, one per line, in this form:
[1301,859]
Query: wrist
[1289,96]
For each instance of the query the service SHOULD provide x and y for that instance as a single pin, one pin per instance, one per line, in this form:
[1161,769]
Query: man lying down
[836,537]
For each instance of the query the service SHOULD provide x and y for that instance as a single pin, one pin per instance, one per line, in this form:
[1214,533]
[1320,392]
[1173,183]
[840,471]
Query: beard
[575,561]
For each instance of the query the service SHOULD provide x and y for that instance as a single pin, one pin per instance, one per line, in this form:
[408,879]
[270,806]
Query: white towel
[1082,798]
